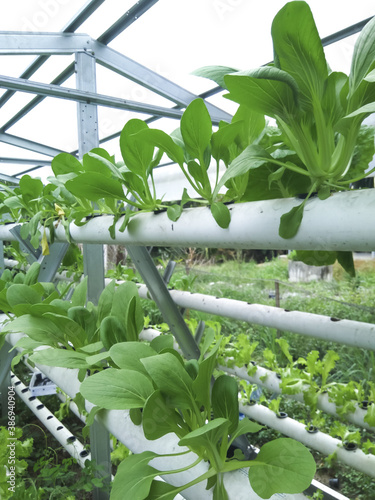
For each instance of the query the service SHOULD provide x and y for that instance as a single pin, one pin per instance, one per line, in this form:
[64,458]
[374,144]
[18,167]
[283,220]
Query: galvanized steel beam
[24,161]
[61,78]
[50,90]
[21,43]
[133,14]
[20,142]
[9,178]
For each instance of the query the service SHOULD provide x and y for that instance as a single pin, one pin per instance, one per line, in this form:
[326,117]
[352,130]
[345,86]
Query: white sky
[173,38]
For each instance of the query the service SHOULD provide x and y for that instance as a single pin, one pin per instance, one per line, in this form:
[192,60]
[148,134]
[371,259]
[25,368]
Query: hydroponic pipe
[71,444]
[269,380]
[343,331]
[344,221]
[319,441]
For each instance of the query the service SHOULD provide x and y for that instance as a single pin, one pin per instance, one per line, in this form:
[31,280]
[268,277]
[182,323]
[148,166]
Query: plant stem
[182,469]
[194,186]
[211,472]
[360,177]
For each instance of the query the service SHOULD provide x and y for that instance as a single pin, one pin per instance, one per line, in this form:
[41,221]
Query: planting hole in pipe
[365,404]
[59,428]
[39,407]
[49,417]
[335,319]
[84,453]
[31,398]
[281,414]
[18,382]
[25,390]
[350,446]
[71,439]
[312,429]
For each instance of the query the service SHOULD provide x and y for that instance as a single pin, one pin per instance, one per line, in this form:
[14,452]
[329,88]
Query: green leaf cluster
[78,335]
[166,394]
[318,112]
[15,463]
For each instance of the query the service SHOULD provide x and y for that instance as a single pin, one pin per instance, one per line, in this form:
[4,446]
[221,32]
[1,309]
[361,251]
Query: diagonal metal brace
[49,264]
[160,294]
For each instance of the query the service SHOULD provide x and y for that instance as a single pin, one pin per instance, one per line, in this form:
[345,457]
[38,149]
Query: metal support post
[93,259]
[2,265]
[89,139]
[159,292]
[168,271]
[5,362]
[199,332]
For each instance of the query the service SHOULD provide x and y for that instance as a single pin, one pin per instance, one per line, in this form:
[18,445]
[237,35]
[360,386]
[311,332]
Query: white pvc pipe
[344,221]
[53,425]
[13,263]
[269,380]
[319,441]
[343,331]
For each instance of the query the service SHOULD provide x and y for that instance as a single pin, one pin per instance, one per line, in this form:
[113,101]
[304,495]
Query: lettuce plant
[318,111]
[176,396]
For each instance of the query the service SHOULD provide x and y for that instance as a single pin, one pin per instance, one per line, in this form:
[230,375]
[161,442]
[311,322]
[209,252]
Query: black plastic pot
[365,404]
[334,483]
[311,429]
[350,446]
[281,414]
